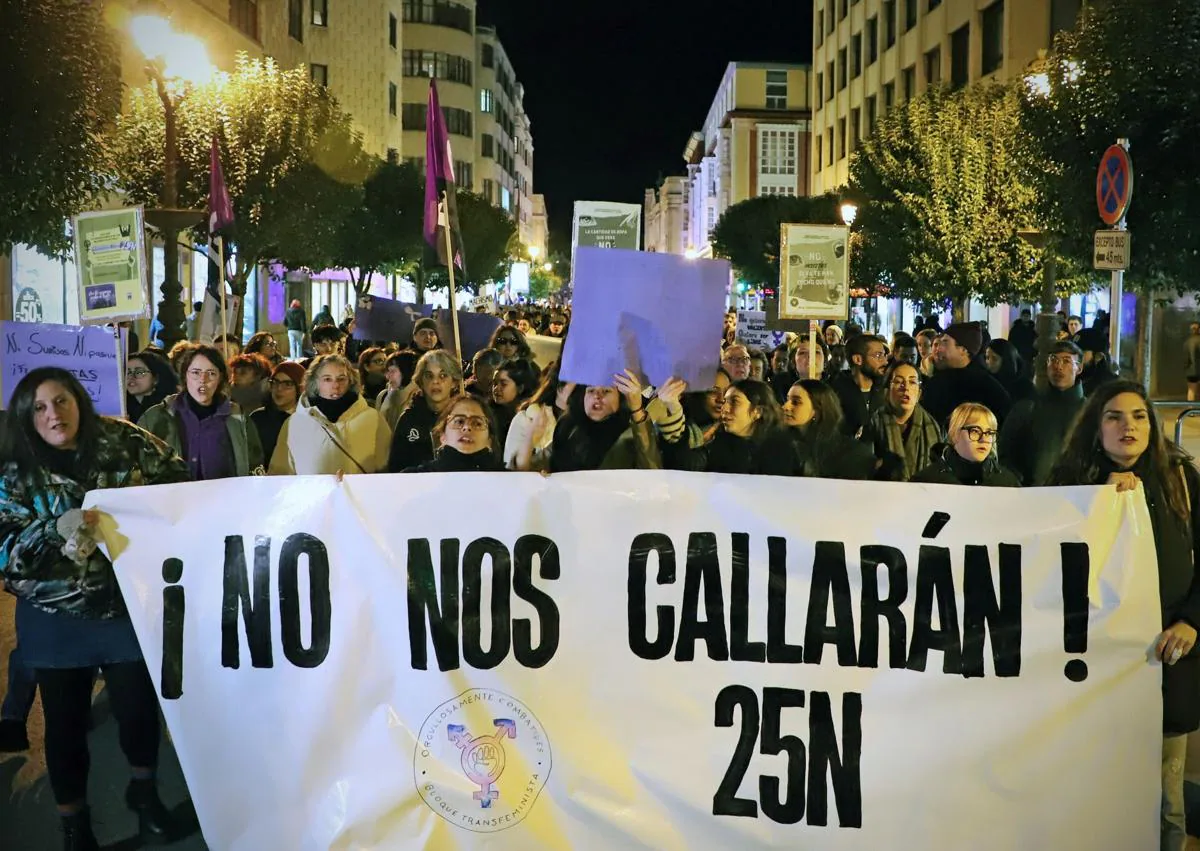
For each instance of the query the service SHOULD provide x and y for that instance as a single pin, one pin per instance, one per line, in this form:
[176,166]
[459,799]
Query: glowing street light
[691,254]
[534,251]
[549,267]
[849,213]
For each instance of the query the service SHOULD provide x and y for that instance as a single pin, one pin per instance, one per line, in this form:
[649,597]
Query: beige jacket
[310,445]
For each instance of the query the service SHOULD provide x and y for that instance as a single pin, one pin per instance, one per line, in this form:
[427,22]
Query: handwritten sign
[88,352]
[110,256]
[753,331]
[483,304]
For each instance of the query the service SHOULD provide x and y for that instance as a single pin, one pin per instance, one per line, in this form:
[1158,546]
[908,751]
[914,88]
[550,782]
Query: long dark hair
[547,391]
[827,409]
[21,444]
[523,350]
[1083,454]
[523,374]
[1010,360]
[761,396]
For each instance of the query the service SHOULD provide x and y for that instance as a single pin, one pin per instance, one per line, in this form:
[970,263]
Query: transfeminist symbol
[483,758]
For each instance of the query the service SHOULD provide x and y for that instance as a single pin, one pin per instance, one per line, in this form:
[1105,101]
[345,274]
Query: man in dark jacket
[1097,369]
[1023,336]
[1033,435]
[296,324]
[860,388]
[960,377]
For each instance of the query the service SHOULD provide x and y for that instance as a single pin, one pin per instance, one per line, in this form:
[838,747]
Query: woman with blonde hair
[438,379]
[333,428]
[969,458]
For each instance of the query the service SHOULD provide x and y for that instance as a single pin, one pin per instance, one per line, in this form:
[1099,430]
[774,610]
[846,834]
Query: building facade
[870,55]
[539,225]
[665,217]
[755,141]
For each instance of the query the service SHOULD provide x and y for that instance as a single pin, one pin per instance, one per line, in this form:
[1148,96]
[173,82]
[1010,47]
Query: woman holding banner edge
[1117,440]
[70,616]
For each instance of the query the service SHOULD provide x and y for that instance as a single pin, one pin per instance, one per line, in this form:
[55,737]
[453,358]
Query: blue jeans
[22,686]
[296,344]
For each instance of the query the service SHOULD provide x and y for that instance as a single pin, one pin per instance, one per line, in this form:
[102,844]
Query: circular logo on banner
[482,760]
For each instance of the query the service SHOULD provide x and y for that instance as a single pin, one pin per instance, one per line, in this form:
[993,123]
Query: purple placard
[476,330]
[658,314]
[276,293]
[89,352]
[387,319]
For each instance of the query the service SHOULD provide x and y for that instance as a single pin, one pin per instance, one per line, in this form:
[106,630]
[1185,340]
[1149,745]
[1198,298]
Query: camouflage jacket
[31,558]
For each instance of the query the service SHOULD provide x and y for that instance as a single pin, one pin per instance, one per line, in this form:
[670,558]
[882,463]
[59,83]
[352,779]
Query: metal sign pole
[1115,296]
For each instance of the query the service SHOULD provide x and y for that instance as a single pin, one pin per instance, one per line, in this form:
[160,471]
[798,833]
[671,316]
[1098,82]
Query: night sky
[613,90]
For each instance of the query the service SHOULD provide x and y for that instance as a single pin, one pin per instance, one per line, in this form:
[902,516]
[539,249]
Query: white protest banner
[88,352]
[640,659]
[753,331]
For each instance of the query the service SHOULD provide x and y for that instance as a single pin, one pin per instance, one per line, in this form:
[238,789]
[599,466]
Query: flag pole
[450,270]
[221,266]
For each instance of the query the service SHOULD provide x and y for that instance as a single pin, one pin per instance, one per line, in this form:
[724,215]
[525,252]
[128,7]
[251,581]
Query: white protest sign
[753,331]
[485,302]
[640,659]
[89,352]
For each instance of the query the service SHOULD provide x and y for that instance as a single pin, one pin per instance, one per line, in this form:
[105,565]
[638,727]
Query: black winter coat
[1033,435]
[834,457]
[950,468]
[772,455]
[450,460]
[857,406]
[412,443]
[946,389]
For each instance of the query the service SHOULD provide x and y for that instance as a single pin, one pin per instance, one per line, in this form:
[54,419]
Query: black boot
[155,824]
[77,832]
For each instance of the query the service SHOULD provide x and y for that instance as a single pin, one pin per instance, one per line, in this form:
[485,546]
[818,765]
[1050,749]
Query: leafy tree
[62,87]
[747,234]
[543,284]
[383,232]
[944,193]
[489,240]
[292,161]
[1128,70]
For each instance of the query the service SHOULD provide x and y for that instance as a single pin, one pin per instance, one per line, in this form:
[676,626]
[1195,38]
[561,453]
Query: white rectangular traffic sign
[1111,250]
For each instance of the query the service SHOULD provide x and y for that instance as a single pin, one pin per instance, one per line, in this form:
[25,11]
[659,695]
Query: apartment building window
[889,96]
[933,4]
[319,74]
[820,89]
[933,67]
[829,20]
[441,66]
[871,114]
[486,101]
[908,82]
[841,66]
[1064,15]
[320,13]
[910,14]
[819,30]
[393,30]
[872,40]
[829,146]
[243,15]
[488,145]
[393,156]
[296,20]
[392,93]
[789,191]
[817,158]
[829,81]
[841,137]
[777,90]
[889,23]
[960,55]
[412,117]
[992,22]
[843,9]
[855,56]
[441,13]
[855,128]
[488,59]
[488,190]
[464,175]
[776,151]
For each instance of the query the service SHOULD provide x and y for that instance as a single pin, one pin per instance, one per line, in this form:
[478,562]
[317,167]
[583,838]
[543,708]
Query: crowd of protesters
[942,406]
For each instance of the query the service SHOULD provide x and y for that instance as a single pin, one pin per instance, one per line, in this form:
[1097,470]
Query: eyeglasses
[203,374]
[508,341]
[1067,361]
[281,382]
[136,373]
[979,434]
[377,361]
[878,356]
[738,361]
[460,422]
[900,383]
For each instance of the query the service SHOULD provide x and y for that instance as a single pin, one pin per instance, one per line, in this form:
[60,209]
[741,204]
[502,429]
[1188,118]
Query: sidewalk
[28,821]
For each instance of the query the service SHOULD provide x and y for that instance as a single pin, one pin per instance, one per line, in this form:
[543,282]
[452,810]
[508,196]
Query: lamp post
[173,62]
[849,213]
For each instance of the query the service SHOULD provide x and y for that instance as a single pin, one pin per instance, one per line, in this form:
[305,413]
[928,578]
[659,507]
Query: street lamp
[174,62]
[549,267]
[534,251]
[691,254]
[849,213]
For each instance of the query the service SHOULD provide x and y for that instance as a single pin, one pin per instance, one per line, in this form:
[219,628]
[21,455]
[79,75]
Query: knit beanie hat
[291,369]
[968,335]
[423,323]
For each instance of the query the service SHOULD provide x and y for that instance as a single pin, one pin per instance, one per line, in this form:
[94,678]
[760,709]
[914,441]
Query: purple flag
[220,208]
[440,208]
[220,218]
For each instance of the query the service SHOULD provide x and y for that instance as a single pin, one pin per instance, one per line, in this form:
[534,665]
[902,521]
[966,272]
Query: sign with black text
[649,659]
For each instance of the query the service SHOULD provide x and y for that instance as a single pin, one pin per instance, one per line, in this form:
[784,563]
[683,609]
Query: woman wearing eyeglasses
[284,384]
[148,380]
[372,373]
[903,435]
[465,436]
[202,424]
[970,457]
